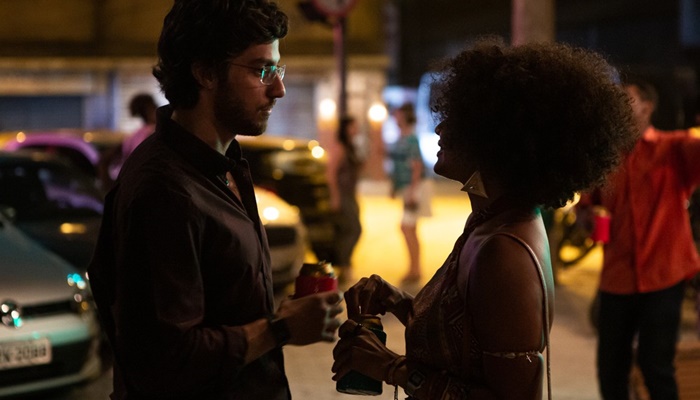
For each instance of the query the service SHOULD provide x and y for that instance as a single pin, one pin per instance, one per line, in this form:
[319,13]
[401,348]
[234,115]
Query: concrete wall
[131,28]
[103,51]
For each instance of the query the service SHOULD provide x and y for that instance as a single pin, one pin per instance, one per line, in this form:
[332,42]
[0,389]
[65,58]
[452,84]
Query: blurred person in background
[142,106]
[181,273]
[694,210]
[343,172]
[650,254]
[521,128]
[408,182]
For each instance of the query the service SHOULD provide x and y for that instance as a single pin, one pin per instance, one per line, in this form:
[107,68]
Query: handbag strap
[545,306]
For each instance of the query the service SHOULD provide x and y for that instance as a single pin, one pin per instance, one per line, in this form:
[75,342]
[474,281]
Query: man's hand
[312,318]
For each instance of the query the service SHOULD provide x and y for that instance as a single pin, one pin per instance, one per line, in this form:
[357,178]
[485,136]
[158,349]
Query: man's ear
[204,75]
[649,108]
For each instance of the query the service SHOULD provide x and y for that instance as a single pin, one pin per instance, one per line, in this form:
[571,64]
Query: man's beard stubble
[230,112]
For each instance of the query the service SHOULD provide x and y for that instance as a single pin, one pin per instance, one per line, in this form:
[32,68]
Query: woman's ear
[204,75]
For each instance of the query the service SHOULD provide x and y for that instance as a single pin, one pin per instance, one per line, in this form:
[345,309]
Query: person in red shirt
[649,257]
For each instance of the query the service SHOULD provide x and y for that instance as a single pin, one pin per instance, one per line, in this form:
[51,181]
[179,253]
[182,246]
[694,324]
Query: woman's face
[452,161]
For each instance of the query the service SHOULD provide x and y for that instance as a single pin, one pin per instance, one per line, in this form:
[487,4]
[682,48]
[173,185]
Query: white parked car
[286,235]
[49,334]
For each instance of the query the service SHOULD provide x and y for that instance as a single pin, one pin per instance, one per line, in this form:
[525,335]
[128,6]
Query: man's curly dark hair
[548,119]
[210,32]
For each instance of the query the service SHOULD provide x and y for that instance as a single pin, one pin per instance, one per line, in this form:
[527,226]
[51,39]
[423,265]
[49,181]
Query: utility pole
[336,12]
[341,64]
[532,21]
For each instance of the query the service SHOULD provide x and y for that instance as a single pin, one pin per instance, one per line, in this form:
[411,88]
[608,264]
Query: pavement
[381,250]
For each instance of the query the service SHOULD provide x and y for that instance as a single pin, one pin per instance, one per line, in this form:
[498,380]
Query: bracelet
[391,372]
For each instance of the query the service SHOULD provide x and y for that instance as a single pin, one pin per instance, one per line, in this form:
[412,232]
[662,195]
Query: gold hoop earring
[475,185]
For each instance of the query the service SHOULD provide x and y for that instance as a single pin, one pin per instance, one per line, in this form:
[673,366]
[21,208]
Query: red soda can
[315,278]
[601,225]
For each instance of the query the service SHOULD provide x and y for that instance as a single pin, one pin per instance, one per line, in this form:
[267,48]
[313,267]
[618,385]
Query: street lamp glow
[288,145]
[317,152]
[377,113]
[326,109]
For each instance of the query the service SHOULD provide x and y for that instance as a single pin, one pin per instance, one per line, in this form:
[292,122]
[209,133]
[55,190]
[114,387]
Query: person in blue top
[408,173]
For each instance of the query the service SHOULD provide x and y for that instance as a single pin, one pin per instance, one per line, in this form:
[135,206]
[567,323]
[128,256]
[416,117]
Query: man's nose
[277,88]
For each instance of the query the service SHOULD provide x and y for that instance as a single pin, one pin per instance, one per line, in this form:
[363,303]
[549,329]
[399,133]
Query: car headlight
[270,214]
[10,314]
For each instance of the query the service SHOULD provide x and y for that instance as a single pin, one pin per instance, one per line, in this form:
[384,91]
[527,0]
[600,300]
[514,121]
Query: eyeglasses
[267,73]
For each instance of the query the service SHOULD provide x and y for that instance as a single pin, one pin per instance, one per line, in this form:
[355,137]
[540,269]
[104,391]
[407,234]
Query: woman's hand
[359,349]
[374,296]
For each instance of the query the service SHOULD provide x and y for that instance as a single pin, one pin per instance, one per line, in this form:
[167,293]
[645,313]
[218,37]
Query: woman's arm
[506,299]
[416,178]
[508,317]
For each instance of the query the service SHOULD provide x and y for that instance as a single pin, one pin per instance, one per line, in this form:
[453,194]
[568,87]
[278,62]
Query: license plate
[25,353]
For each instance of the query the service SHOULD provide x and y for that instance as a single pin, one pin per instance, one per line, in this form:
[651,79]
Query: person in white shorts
[408,181]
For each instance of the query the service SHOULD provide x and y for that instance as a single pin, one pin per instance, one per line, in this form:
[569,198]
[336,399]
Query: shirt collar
[194,150]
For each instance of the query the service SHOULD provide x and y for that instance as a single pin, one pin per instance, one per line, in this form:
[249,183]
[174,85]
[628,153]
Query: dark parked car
[285,231]
[52,202]
[295,170]
[85,149]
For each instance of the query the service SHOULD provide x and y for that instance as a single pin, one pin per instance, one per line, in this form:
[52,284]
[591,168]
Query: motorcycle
[570,232]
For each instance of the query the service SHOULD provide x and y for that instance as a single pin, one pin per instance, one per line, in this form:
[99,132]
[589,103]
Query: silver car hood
[30,274]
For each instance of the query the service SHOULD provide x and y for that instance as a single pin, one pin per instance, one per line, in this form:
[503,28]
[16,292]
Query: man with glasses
[268,73]
[181,273]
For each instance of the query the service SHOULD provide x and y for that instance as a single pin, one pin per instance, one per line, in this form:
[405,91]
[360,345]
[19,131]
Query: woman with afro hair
[522,128]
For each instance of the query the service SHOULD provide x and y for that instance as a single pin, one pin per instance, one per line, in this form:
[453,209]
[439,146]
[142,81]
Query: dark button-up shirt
[181,264]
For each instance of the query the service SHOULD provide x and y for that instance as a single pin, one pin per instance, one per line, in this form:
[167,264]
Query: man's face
[242,104]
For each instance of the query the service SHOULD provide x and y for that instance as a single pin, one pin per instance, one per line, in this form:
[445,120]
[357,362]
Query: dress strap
[545,305]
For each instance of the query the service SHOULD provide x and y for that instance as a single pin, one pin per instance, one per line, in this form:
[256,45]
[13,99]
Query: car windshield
[276,163]
[38,190]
